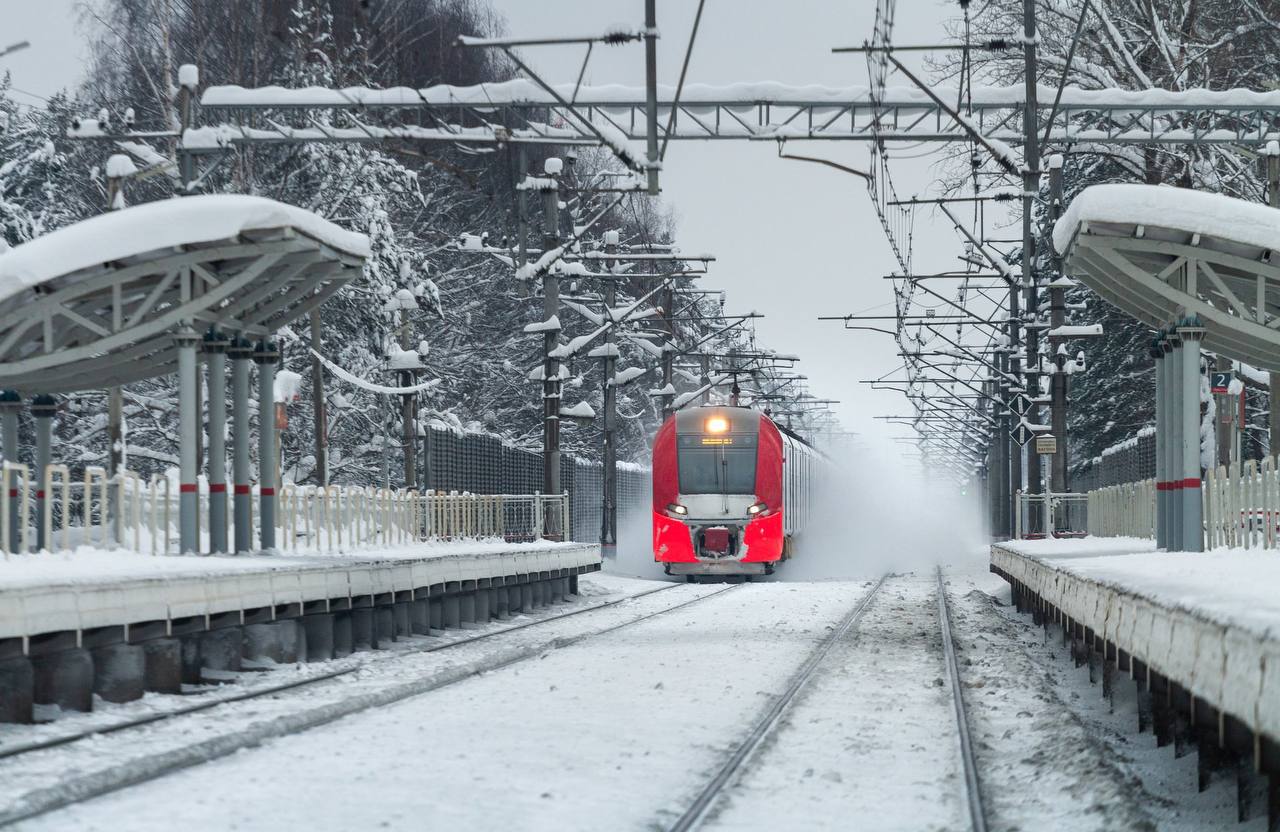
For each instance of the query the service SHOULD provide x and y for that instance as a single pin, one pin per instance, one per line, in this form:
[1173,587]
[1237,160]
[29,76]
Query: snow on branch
[370,386]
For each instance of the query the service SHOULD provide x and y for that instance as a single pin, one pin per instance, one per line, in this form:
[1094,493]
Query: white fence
[1126,510]
[126,512]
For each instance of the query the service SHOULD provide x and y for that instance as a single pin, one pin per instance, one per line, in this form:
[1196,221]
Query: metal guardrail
[1056,515]
[124,512]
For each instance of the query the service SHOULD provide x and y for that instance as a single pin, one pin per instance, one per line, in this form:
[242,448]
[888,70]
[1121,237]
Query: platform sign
[1046,444]
[1020,404]
[1220,383]
[1022,434]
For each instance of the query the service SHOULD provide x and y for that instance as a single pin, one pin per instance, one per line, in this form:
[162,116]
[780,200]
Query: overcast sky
[794,240]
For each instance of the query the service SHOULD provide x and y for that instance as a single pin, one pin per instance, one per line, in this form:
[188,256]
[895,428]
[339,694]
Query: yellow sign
[717,440]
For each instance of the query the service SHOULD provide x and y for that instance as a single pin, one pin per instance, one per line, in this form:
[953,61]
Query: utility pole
[651,89]
[1273,199]
[408,401]
[1057,318]
[550,338]
[668,352]
[1030,184]
[319,411]
[609,516]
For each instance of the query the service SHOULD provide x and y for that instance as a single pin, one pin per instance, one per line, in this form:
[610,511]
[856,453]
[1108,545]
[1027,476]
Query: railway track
[973,787]
[764,726]
[699,809]
[100,783]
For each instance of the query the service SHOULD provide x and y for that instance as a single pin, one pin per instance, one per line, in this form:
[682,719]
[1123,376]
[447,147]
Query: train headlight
[676,508]
[717,424]
[757,508]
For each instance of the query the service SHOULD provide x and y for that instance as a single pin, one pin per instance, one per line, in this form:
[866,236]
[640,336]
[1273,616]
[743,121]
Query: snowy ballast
[161,227]
[1160,206]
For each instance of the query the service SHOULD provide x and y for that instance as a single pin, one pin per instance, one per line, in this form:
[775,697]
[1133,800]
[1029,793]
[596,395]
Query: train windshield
[717,465]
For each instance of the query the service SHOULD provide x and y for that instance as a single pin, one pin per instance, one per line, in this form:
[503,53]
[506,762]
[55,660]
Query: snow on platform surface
[157,226]
[1162,206]
[88,566]
[1234,587]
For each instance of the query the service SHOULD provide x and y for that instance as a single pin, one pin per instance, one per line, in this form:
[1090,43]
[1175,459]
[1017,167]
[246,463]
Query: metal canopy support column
[265,356]
[215,347]
[10,404]
[188,426]
[43,408]
[240,353]
[1173,445]
[1057,349]
[1190,495]
[1162,428]
[1273,199]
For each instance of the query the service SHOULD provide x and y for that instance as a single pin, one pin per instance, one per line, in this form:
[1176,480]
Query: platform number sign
[1022,434]
[1220,383]
[1020,404]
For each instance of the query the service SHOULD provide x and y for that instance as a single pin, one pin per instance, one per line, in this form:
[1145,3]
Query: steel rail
[702,803]
[973,787]
[257,693]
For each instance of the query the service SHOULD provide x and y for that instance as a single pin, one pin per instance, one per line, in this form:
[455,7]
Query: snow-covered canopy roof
[96,304]
[1161,253]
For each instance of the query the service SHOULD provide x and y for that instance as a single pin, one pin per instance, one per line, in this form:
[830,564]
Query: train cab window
[726,467]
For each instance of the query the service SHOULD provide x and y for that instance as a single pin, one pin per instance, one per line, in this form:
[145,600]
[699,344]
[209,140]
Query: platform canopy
[1160,253]
[96,304]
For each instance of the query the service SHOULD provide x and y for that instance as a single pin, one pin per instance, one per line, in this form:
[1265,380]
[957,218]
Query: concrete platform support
[513,595]
[435,611]
[188,426]
[501,599]
[215,349]
[404,619]
[362,628]
[384,626]
[64,678]
[573,584]
[162,671]
[275,641]
[119,672]
[420,617]
[527,594]
[221,650]
[343,634]
[483,611]
[191,663]
[241,353]
[17,690]
[452,605]
[319,631]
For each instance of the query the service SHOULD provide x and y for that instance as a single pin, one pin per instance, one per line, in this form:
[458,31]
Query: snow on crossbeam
[243,263]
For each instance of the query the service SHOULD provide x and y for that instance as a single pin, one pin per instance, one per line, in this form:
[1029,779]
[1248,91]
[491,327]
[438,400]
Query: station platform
[83,592]
[75,627]
[1200,631]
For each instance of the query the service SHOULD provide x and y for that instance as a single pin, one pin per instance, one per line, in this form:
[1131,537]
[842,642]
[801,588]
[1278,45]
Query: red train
[730,488]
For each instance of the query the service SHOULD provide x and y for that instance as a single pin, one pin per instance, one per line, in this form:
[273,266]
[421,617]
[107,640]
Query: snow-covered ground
[616,718]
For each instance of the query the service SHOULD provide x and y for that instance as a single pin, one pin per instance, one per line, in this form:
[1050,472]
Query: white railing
[1242,505]
[1125,510]
[124,512]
